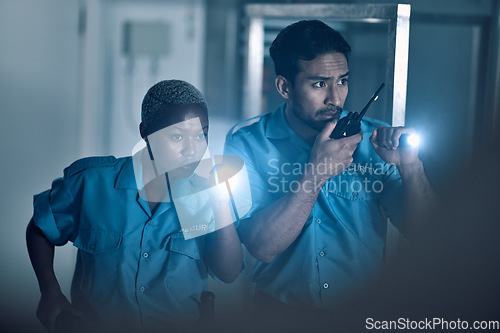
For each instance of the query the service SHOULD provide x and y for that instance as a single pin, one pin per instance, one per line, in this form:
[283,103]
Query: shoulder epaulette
[374,122]
[89,162]
[244,123]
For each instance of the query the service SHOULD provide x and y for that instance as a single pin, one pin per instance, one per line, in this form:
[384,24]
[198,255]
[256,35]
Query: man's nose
[333,96]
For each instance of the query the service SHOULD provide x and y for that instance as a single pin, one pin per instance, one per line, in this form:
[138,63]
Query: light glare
[414,140]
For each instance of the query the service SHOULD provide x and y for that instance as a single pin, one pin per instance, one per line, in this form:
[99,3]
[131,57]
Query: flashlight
[409,140]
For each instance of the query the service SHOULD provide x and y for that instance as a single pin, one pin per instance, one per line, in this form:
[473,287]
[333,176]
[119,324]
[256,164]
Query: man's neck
[307,133]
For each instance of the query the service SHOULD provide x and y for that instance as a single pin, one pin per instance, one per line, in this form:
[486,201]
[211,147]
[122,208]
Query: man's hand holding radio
[332,156]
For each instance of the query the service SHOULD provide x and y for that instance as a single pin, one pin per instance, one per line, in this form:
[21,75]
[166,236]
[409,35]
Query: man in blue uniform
[317,225]
[135,271]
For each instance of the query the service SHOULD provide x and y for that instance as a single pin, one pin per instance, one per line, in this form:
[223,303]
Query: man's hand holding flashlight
[386,142]
[403,152]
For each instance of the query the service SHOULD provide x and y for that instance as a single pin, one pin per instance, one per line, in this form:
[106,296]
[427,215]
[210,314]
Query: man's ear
[143,130]
[283,86]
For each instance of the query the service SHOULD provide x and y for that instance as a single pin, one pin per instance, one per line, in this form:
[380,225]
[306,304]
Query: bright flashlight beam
[413,140]
[409,140]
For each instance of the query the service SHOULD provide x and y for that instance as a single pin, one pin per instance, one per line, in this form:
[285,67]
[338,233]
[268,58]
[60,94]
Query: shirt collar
[278,128]
[126,178]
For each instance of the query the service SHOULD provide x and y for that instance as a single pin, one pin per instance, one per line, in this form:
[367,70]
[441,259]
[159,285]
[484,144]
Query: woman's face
[180,145]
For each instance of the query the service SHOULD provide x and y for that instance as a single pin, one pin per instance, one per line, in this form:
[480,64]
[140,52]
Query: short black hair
[169,95]
[304,40]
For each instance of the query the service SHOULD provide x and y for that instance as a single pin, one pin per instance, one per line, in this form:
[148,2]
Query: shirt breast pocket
[187,271]
[355,187]
[97,262]
[355,201]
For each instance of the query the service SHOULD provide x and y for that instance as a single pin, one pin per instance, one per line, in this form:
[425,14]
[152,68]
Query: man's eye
[201,137]
[319,84]
[176,137]
[344,81]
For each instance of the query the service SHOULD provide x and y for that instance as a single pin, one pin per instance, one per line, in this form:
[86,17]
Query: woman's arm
[52,301]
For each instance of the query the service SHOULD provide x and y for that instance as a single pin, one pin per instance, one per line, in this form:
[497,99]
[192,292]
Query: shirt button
[325,285]
[145,255]
[322,254]
[318,221]
[142,289]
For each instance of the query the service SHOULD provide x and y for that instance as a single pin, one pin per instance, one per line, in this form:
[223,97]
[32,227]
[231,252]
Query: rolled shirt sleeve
[56,213]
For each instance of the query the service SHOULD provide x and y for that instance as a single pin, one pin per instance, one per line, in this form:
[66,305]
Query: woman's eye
[201,137]
[319,84]
[176,137]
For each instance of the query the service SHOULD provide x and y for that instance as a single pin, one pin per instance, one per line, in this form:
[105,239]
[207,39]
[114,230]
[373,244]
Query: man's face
[318,94]
[179,146]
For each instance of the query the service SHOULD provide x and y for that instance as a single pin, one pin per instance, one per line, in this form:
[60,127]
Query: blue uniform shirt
[134,268]
[342,242]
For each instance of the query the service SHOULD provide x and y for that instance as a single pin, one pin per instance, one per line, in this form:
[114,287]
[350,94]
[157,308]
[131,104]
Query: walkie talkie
[351,124]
